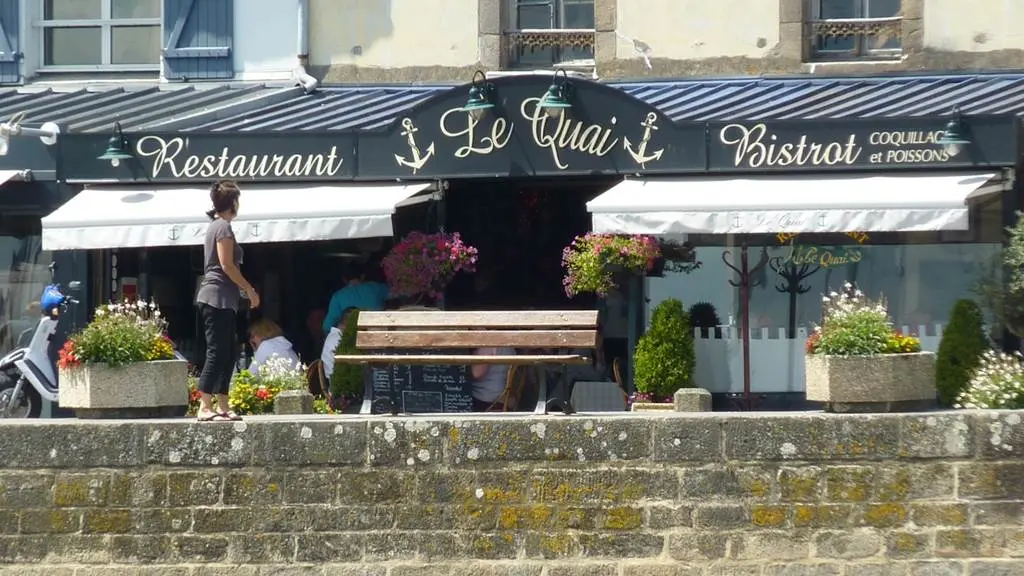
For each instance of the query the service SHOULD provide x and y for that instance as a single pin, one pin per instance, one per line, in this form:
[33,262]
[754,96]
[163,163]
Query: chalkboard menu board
[421,389]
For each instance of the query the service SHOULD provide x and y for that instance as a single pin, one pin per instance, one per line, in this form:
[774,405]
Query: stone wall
[625,495]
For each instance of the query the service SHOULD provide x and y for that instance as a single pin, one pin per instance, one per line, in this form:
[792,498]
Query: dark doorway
[520,228]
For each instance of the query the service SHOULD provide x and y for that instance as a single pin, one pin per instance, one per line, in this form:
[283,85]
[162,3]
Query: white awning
[803,203]
[8,175]
[122,217]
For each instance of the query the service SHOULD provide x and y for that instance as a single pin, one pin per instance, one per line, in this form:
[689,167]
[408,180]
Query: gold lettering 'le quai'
[172,155]
[495,139]
[755,147]
[568,134]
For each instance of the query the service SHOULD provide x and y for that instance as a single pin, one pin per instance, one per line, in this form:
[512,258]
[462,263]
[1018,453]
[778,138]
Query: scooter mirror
[74,286]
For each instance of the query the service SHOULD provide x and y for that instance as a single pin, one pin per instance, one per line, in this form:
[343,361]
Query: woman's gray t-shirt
[217,289]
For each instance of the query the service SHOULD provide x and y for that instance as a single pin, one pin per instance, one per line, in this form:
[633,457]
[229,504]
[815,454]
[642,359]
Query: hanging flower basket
[421,266]
[595,262]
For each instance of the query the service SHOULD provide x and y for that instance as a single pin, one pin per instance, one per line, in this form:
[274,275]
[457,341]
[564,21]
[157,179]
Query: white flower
[100,311]
[825,299]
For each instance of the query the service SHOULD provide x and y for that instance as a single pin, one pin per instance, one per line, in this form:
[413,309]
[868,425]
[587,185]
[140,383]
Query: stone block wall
[626,495]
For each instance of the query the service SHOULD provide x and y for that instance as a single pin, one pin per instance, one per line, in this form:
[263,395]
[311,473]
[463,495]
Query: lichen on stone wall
[838,493]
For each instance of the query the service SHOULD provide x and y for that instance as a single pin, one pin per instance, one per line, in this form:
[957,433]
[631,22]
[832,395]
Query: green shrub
[347,379]
[664,360]
[963,343]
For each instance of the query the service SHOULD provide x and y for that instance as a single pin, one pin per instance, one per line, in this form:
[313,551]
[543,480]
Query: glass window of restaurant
[23,274]
[921,275]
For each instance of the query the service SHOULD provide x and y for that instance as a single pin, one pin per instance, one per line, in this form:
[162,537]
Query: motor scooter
[27,375]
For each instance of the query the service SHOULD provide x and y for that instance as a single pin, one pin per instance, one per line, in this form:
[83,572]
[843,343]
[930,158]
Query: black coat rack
[745,283]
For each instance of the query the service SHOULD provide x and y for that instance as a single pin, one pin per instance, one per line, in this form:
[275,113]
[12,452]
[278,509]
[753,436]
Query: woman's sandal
[211,417]
[229,415]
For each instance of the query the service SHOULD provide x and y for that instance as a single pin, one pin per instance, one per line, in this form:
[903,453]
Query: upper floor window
[548,33]
[101,35]
[855,29]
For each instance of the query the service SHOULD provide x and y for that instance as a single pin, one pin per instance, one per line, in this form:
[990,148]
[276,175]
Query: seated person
[332,341]
[267,340]
[489,379]
[357,293]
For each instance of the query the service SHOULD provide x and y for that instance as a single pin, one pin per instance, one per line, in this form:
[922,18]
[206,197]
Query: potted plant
[421,266]
[347,379]
[679,257]
[664,359]
[253,394]
[594,262]
[122,364]
[704,316]
[856,362]
[963,343]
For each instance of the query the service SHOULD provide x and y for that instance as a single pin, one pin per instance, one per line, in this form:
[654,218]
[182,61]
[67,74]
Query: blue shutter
[10,47]
[198,39]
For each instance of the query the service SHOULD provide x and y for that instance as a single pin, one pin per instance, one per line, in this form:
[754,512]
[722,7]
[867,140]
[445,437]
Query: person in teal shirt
[357,293]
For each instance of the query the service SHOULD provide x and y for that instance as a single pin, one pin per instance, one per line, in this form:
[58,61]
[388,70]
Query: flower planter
[879,383]
[143,390]
[293,402]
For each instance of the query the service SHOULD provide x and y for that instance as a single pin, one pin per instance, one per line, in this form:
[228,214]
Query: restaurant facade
[786,188]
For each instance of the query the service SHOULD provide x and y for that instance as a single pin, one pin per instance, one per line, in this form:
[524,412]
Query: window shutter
[10,47]
[198,39]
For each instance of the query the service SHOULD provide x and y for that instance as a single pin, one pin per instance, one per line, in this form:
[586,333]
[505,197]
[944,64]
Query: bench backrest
[512,329]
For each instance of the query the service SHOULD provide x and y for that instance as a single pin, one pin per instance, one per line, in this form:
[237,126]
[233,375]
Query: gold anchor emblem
[417,161]
[639,155]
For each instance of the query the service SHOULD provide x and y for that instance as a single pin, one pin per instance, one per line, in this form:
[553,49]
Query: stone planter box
[880,383]
[144,390]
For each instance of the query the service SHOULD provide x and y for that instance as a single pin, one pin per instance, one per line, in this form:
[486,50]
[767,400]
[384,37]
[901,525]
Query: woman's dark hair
[223,195]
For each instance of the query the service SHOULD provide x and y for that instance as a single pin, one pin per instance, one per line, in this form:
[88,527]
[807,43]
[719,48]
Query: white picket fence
[776,362]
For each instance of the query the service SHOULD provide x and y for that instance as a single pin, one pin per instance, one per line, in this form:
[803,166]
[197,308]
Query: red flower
[812,343]
[263,394]
[67,357]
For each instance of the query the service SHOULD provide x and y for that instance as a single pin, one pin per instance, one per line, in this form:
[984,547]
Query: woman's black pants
[219,328]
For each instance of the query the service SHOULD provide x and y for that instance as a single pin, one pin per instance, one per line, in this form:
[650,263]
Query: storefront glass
[23,274]
[921,275]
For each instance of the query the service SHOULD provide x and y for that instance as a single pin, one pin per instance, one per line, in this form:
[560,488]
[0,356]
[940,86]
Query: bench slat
[482,319]
[477,339]
[459,359]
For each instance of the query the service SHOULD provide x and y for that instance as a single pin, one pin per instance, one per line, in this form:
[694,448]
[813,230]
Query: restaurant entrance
[520,227]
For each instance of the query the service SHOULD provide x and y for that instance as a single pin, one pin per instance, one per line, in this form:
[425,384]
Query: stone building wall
[627,495]
[447,40]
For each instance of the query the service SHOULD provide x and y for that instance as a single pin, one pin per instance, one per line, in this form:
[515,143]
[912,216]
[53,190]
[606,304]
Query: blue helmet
[51,300]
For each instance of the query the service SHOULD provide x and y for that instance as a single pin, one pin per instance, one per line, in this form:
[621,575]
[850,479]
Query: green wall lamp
[954,137]
[117,148]
[556,100]
[480,93]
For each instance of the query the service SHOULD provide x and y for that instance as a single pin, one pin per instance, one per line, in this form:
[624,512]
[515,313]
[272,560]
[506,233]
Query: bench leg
[542,392]
[367,407]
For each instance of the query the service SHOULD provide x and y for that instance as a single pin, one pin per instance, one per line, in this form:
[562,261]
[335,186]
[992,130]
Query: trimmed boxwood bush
[664,359]
[347,379]
[963,343]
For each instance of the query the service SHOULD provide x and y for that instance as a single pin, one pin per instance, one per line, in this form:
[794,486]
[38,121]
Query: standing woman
[217,300]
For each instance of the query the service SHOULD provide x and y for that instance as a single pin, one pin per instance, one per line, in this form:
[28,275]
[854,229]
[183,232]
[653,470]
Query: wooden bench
[393,335]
